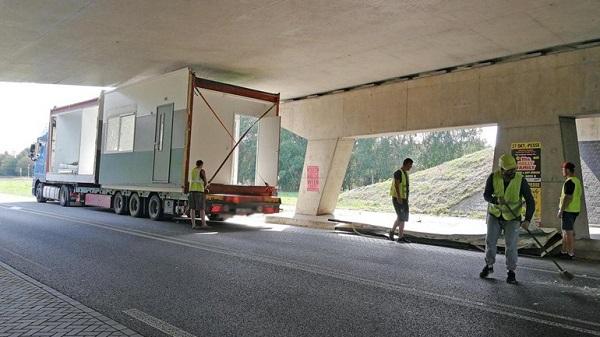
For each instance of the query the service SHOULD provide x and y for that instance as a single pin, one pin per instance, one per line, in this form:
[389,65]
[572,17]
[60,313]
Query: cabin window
[120,134]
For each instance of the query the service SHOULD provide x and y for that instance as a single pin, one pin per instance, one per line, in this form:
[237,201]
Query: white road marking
[158,324]
[314,269]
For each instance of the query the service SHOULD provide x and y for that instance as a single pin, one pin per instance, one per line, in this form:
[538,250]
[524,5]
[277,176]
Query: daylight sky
[26,106]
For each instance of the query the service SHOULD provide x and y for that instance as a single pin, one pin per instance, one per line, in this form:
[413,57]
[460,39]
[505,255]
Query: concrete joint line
[331,161]
[26,259]
[158,324]
[496,308]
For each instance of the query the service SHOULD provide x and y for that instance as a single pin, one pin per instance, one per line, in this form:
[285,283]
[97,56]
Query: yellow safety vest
[197,184]
[575,205]
[403,187]
[512,197]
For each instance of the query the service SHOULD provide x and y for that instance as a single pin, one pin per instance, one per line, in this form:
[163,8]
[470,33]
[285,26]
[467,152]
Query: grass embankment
[15,186]
[288,198]
[452,188]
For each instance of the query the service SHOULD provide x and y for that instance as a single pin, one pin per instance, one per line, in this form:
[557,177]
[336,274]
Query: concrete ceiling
[296,47]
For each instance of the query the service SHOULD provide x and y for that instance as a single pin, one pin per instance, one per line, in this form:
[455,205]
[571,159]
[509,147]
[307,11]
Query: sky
[26,106]
[489,134]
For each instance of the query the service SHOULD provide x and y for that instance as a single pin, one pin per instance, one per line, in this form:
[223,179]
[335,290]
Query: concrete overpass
[532,100]
[297,48]
[528,66]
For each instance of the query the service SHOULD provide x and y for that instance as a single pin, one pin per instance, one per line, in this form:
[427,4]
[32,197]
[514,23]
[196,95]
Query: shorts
[568,220]
[196,200]
[401,209]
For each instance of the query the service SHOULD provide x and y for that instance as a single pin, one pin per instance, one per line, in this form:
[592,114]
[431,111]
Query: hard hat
[507,162]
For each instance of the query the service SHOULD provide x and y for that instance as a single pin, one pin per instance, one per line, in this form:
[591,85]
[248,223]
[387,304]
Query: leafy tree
[7,168]
[375,159]
[291,160]
[2,157]
[247,151]
[442,146]
[24,164]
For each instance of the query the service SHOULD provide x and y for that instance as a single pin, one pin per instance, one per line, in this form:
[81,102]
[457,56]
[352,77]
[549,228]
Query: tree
[247,151]
[442,146]
[292,149]
[7,168]
[375,159]
[24,165]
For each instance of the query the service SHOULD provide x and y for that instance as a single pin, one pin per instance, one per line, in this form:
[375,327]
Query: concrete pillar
[324,170]
[553,154]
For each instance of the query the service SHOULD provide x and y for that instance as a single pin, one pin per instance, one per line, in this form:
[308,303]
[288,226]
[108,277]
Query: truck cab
[37,153]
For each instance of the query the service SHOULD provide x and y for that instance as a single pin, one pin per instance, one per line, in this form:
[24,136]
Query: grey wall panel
[144,133]
[176,167]
[179,123]
[145,130]
[130,168]
[135,168]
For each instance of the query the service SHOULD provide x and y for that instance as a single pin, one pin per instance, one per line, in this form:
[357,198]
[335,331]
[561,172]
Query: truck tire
[64,196]
[120,203]
[215,217]
[155,209]
[39,193]
[136,206]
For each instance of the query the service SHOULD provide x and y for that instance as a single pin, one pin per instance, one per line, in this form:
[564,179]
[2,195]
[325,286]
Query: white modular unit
[73,140]
[144,127]
[155,130]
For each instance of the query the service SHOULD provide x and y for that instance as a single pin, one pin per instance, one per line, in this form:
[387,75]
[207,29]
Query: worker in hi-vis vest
[196,197]
[569,208]
[399,193]
[505,190]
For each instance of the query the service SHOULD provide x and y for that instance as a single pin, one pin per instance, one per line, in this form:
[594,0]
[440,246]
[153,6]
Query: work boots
[488,269]
[510,278]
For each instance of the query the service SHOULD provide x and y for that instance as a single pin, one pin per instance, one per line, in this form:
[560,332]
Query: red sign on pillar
[312,178]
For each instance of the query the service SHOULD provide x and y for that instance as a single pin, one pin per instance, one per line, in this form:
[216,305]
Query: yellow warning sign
[529,163]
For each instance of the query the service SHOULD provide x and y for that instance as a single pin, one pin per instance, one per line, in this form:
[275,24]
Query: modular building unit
[72,143]
[133,148]
[155,130]
[69,152]
[144,128]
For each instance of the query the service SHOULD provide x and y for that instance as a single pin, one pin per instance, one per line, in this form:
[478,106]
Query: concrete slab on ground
[444,230]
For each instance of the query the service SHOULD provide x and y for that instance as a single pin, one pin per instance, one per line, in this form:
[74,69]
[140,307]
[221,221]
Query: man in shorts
[196,197]
[569,208]
[399,194]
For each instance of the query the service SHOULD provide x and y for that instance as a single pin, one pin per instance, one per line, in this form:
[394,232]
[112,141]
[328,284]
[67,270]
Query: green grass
[16,186]
[436,191]
[288,198]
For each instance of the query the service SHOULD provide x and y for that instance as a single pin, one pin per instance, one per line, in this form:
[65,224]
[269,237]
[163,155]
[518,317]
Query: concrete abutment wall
[524,98]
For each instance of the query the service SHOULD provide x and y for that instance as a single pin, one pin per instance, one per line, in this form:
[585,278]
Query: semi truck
[132,149]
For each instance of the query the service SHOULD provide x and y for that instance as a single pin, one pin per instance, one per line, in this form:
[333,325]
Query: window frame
[120,127]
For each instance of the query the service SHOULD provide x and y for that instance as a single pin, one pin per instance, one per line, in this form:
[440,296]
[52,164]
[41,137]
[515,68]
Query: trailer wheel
[215,217]
[120,203]
[136,206]
[39,193]
[64,197]
[155,209]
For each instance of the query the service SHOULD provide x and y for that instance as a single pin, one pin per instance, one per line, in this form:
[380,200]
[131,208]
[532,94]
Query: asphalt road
[162,278]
